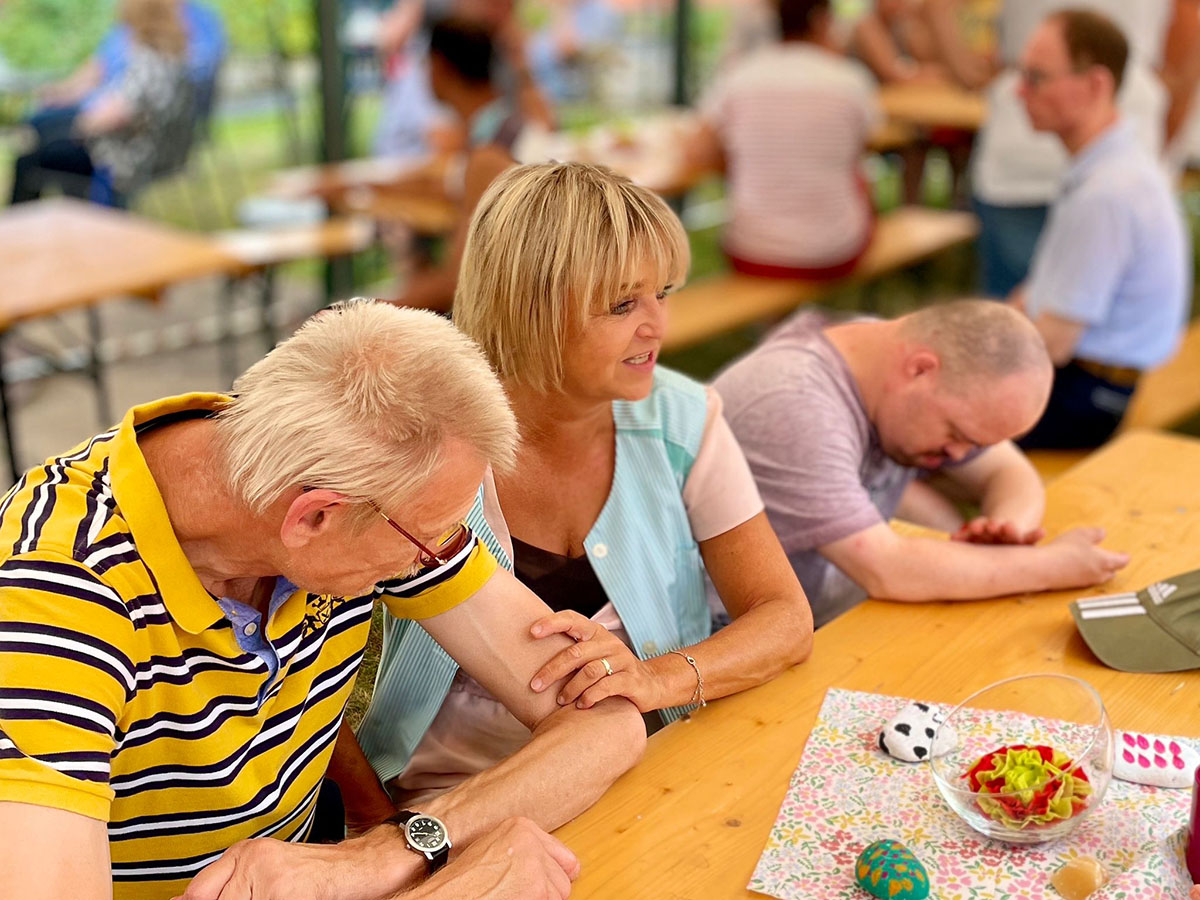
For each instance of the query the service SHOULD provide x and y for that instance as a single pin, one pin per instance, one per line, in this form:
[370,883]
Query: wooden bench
[722,303]
[1164,398]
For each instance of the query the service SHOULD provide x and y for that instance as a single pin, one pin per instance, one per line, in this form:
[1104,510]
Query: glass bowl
[1034,758]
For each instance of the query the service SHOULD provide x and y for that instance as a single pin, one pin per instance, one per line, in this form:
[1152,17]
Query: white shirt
[794,120]
[1015,166]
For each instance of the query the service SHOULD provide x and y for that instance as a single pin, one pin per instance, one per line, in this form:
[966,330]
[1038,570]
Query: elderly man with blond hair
[184,602]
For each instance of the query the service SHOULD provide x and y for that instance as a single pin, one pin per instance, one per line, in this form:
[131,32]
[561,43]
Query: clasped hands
[630,677]
[984,530]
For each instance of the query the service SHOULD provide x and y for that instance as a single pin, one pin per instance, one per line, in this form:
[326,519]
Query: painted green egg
[888,870]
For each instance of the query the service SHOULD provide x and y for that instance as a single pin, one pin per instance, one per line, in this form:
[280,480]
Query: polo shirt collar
[1118,138]
[137,496]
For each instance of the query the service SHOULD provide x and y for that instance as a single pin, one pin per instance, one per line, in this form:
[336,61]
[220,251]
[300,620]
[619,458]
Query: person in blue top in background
[135,128]
[562,52]
[1110,284]
[105,70]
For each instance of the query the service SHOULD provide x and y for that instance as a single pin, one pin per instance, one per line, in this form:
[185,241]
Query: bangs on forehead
[644,240]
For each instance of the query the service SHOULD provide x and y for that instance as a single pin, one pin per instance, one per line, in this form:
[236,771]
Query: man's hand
[1080,562]
[982,530]
[267,869]
[516,861]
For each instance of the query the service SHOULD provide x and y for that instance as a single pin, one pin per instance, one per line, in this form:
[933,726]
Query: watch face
[426,833]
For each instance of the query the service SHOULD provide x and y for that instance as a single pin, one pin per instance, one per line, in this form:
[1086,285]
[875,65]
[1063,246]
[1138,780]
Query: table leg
[5,421]
[96,367]
[227,339]
[266,298]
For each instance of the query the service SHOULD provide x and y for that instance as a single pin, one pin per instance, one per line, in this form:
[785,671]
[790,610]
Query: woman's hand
[624,676]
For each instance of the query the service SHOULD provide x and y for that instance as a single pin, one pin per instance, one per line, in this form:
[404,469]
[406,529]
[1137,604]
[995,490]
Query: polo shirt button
[249,630]
[600,551]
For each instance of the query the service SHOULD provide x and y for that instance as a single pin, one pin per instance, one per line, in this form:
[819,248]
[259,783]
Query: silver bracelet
[698,694]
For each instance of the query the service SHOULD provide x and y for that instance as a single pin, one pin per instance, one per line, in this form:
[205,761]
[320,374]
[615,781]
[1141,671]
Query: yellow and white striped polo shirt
[125,695]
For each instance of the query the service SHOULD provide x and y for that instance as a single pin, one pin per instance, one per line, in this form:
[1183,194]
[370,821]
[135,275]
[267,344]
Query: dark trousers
[1007,238]
[63,162]
[1083,412]
[329,820]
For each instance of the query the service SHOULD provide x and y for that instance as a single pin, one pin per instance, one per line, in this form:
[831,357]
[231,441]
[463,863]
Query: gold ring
[608,670]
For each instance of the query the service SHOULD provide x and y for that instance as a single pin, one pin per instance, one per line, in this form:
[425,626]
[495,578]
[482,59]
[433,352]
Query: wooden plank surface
[1168,395]
[933,105]
[62,253]
[257,247]
[691,820]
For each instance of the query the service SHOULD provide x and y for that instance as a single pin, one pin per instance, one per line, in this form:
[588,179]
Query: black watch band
[433,860]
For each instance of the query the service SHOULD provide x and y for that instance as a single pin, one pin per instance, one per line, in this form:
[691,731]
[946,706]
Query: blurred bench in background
[722,303]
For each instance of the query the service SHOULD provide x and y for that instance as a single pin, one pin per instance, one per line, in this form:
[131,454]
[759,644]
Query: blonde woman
[628,488]
[129,132]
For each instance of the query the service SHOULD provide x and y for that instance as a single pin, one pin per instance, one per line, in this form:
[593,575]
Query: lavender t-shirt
[795,408]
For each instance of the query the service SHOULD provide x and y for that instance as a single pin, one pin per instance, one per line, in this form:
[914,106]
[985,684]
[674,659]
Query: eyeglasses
[1036,78]
[448,546]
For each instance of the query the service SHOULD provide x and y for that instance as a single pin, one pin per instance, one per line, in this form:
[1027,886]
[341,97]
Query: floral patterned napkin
[846,793]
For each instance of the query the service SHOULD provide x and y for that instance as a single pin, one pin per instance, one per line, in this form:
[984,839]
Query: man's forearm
[1015,494]
[573,758]
[926,569]
[366,802]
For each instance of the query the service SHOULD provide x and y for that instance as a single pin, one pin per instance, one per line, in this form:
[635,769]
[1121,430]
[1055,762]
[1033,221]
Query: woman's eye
[625,306]
[661,295]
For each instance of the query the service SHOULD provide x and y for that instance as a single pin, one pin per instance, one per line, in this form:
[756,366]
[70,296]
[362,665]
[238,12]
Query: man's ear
[309,516]
[1101,83]
[921,362]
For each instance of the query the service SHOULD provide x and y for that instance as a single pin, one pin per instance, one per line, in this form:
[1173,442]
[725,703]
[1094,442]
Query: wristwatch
[426,835]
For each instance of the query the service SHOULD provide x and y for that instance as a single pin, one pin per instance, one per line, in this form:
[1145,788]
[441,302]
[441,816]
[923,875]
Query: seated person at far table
[184,604]
[629,488]
[119,140]
[837,420]
[790,124]
[1110,283]
[461,64]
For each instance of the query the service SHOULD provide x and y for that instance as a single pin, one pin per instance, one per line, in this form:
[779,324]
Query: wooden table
[933,106]
[331,179]
[690,821]
[387,189]
[63,254]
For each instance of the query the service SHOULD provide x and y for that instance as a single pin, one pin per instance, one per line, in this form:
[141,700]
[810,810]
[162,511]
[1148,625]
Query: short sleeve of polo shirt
[807,466]
[431,592]
[1080,259]
[66,674]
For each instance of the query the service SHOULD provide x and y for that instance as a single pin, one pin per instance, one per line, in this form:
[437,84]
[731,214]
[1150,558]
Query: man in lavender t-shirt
[838,420]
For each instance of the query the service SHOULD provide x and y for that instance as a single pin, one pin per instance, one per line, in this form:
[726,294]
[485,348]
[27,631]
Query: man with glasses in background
[1016,172]
[184,602]
[1110,283]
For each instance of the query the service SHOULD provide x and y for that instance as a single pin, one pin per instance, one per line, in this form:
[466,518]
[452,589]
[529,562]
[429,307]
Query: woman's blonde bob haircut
[550,245]
[362,400]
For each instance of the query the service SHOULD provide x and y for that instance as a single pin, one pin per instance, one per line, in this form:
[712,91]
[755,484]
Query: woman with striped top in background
[629,488]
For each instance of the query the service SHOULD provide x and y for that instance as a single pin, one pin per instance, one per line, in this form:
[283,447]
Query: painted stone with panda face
[909,735]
